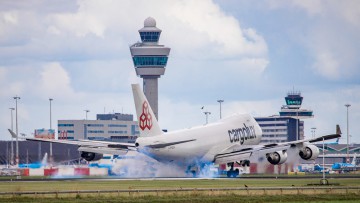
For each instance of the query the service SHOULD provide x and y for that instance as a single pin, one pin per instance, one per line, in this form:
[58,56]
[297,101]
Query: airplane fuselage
[202,143]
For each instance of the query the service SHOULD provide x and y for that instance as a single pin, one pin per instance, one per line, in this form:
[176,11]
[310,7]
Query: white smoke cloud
[137,165]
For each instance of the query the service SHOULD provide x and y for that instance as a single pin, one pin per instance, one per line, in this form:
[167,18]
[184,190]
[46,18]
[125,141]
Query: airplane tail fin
[13,135]
[338,130]
[44,160]
[148,125]
[354,160]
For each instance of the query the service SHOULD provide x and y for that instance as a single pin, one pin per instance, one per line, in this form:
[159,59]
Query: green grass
[158,184]
[199,198]
[192,196]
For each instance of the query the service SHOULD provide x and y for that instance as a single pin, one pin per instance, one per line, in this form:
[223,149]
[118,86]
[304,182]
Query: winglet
[338,130]
[148,125]
[12,134]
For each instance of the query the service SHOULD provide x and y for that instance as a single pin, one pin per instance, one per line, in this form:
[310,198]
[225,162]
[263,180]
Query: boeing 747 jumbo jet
[229,140]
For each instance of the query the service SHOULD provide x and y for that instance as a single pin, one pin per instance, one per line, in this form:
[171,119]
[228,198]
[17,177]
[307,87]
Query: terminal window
[117,125]
[65,125]
[95,125]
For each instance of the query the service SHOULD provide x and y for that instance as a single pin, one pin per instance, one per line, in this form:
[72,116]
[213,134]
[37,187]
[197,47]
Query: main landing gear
[232,173]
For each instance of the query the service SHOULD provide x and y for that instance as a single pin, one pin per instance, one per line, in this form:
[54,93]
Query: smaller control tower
[293,109]
[150,60]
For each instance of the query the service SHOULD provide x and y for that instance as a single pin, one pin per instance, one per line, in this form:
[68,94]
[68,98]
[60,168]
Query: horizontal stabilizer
[325,137]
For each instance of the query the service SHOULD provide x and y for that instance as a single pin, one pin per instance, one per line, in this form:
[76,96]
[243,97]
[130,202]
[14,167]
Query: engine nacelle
[90,156]
[276,158]
[310,152]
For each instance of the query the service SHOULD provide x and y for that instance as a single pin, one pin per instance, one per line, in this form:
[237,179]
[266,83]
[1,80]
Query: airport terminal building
[110,127]
[277,129]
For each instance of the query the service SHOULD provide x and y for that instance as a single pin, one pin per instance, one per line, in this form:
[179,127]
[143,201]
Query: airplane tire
[236,173]
[228,174]
[233,173]
[194,175]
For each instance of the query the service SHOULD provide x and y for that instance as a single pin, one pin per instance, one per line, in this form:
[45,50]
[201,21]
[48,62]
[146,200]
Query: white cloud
[349,10]
[103,30]
[247,65]
[329,35]
[81,24]
[327,65]
[223,31]
[9,88]
[311,6]
[2,73]
[329,110]
[55,81]
[10,17]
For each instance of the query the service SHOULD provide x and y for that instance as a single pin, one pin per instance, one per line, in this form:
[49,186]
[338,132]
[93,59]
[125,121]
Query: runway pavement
[116,178]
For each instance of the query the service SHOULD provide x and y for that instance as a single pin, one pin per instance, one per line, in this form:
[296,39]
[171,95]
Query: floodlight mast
[17,131]
[347,133]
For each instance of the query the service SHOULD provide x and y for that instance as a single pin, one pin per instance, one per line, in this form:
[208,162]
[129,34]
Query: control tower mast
[150,60]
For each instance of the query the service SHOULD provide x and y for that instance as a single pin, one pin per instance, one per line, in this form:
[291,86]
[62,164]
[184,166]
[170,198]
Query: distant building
[277,129]
[111,127]
[31,151]
[336,153]
[44,133]
[115,116]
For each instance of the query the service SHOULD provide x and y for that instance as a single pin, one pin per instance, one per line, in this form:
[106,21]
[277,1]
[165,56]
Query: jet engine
[90,156]
[276,158]
[310,152]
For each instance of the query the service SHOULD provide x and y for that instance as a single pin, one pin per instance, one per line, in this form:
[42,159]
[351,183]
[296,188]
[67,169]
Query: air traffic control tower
[150,60]
[293,109]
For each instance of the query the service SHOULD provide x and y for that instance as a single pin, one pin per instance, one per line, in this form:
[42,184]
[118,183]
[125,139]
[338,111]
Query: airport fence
[193,191]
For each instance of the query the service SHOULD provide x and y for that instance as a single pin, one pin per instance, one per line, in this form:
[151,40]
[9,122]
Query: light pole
[297,124]
[50,100]
[207,113]
[51,151]
[86,112]
[220,101]
[347,132]
[17,131]
[12,144]
[323,181]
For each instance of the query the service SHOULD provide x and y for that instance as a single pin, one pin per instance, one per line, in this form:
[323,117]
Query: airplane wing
[245,153]
[101,147]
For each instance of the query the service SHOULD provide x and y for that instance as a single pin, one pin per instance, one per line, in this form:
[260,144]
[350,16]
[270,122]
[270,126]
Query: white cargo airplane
[229,140]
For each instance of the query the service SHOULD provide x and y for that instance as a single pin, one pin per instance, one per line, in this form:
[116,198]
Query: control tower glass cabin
[150,60]
[293,107]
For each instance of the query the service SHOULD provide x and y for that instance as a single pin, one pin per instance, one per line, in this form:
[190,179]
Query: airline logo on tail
[145,117]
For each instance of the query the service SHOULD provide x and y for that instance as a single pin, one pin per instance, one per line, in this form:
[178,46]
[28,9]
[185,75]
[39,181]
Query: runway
[116,178]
